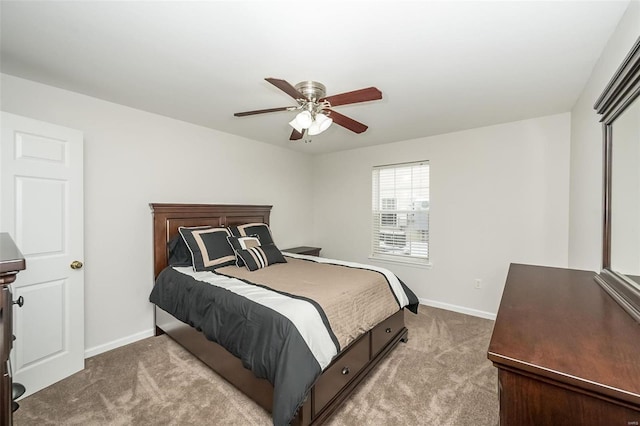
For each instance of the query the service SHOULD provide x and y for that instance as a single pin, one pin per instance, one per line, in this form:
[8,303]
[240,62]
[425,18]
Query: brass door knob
[76,264]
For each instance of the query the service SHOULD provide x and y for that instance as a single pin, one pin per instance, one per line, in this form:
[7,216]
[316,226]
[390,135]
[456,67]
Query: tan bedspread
[354,300]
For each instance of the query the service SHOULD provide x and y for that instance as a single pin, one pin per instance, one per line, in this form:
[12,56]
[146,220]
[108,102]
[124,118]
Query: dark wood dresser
[566,353]
[11,262]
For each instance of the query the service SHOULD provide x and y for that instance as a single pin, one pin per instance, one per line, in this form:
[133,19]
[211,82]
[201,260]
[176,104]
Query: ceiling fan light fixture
[294,123]
[303,120]
[321,123]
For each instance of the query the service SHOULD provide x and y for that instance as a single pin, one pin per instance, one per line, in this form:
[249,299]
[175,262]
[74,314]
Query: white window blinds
[401,212]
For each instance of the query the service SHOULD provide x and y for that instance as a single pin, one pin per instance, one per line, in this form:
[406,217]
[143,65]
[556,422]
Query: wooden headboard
[168,217]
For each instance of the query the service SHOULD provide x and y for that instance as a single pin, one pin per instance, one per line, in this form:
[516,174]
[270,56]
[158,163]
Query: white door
[41,206]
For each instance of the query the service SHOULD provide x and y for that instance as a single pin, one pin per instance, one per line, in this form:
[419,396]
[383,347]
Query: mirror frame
[621,91]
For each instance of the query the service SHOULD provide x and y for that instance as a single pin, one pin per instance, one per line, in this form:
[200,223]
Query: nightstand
[310,251]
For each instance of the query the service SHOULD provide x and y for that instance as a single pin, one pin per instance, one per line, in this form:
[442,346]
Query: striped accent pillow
[242,243]
[259,257]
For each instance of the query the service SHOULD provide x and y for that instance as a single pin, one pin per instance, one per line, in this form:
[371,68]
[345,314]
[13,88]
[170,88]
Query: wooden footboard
[337,381]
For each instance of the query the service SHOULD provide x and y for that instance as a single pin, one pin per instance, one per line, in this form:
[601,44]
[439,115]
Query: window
[388,219]
[400,210]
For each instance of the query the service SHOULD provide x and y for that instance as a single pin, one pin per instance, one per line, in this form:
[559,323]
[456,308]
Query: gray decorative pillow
[209,247]
[179,254]
[260,229]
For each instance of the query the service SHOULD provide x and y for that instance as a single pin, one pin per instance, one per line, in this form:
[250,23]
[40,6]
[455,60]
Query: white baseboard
[456,308]
[96,350]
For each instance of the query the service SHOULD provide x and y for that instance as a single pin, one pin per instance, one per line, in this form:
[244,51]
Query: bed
[342,373]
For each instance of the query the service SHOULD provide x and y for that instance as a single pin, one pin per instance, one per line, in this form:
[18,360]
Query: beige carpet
[440,377]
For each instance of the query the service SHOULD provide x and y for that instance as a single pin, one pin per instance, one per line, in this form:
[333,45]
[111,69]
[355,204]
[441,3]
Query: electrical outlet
[478,283]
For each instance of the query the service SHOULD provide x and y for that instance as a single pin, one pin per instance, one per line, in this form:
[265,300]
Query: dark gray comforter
[267,342]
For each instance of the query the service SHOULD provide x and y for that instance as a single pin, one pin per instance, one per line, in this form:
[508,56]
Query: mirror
[619,105]
[625,193]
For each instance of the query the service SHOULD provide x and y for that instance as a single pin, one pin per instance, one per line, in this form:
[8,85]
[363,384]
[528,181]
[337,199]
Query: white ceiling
[441,66]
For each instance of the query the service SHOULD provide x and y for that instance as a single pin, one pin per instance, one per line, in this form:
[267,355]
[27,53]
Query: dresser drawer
[385,331]
[343,370]
[6,327]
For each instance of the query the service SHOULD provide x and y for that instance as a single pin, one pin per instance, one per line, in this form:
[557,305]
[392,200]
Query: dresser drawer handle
[388,330]
[345,371]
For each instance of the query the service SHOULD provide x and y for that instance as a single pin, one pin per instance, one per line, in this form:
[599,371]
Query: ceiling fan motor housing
[312,90]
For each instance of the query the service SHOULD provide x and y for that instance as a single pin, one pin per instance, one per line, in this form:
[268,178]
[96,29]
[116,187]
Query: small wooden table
[310,251]
[566,353]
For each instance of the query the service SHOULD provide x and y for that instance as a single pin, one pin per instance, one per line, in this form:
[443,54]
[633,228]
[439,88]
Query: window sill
[427,265]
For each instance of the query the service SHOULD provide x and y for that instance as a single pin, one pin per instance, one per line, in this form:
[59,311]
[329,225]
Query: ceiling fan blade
[346,122]
[296,135]
[286,87]
[260,111]
[362,95]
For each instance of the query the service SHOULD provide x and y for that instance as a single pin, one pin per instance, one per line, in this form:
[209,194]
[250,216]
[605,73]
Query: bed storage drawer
[385,331]
[343,370]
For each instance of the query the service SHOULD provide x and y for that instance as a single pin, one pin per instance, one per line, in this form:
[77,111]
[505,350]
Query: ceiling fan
[315,114]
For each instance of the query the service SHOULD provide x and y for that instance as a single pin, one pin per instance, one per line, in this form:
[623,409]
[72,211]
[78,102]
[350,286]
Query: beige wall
[133,158]
[499,194]
[585,231]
